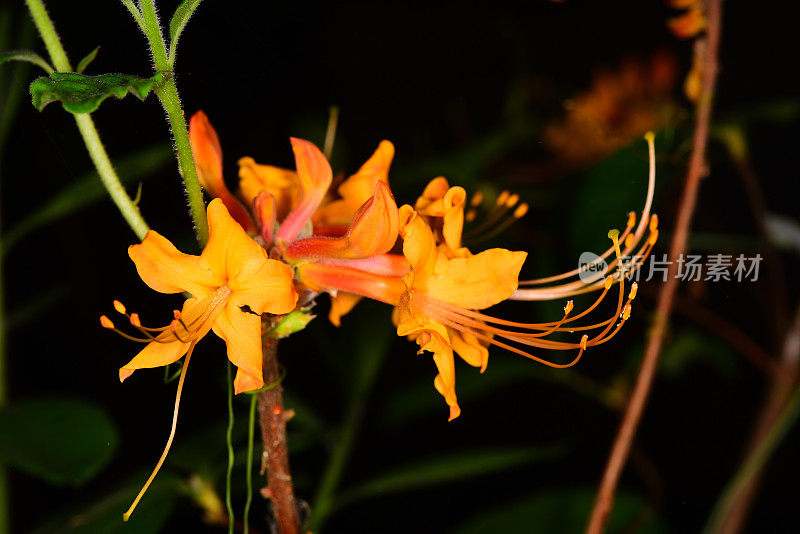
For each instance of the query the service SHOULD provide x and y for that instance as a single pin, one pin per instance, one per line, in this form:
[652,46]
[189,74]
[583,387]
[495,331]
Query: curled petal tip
[124,373]
[455,411]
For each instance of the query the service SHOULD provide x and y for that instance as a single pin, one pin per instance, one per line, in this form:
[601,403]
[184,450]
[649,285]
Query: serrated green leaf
[83,94]
[443,469]
[86,190]
[62,440]
[563,511]
[178,22]
[88,58]
[26,55]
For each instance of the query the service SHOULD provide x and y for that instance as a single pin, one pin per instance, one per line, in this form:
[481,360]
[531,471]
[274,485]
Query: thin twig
[778,414]
[276,453]
[731,514]
[633,414]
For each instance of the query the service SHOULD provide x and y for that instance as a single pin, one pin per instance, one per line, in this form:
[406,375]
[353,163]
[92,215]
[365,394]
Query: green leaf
[26,55]
[104,515]
[83,94]
[563,511]
[88,58]
[443,469]
[178,23]
[63,440]
[86,190]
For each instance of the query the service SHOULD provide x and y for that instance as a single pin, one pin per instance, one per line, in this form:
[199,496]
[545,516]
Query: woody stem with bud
[272,418]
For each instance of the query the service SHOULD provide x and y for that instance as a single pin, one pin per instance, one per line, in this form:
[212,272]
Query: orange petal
[242,334]
[474,282]
[687,25]
[208,159]
[167,270]
[282,184]
[315,175]
[372,232]
[163,351]
[360,186]
[265,210]
[419,245]
[469,348]
[341,304]
[154,355]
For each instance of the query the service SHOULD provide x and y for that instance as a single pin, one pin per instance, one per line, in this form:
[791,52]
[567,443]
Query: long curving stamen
[630,241]
[185,366]
[518,213]
[504,202]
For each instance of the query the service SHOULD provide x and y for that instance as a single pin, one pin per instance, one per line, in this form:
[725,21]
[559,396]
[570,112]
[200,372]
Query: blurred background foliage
[547,99]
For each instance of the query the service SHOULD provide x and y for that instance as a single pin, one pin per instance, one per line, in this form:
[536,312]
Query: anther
[105,322]
[471,214]
[120,307]
[631,219]
[135,320]
[653,222]
[502,198]
[477,198]
[512,200]
[634,289]
[609,281]
[584,340]
[626,312]
[568,307]
[653,237]
[629,241]
[521,210]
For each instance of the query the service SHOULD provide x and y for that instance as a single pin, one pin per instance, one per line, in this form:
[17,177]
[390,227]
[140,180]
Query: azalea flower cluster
[286,237]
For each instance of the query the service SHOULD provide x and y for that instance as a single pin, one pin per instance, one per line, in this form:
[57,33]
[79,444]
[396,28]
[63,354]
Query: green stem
[229,442]
[86,126]
[109,176]
[152,29]
[249,467]
[754,463]
[49,35]
[168,94]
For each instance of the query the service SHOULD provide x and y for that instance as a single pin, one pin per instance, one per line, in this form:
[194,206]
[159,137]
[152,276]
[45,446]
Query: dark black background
[432,79]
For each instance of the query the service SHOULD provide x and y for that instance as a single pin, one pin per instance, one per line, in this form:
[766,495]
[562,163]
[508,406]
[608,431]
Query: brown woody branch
[697,168]
[272,418]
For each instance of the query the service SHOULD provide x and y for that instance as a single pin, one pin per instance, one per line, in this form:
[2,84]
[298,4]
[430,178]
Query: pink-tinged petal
[373,231]
[208,159]
[266,211]
[315,175]
[168,270]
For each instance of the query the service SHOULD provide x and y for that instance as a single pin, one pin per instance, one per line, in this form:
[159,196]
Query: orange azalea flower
[437,286]
[233,272]
[440,286]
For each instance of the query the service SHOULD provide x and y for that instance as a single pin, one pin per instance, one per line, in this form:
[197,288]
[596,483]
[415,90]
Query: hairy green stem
[152,29]
[168,94]
[49,35]
[86,126]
